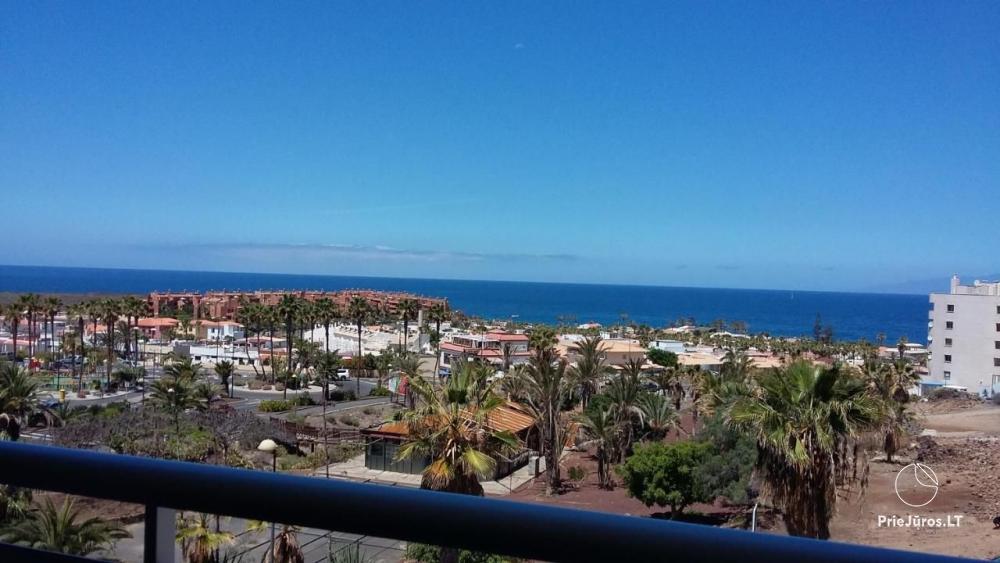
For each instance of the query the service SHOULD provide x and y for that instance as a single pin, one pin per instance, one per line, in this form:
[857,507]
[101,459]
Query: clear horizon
[828,148]
[931,285]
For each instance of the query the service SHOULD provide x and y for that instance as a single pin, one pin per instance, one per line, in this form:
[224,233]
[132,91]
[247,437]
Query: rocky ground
[960,442]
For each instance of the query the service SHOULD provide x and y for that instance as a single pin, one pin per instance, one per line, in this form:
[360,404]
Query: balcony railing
[524,530]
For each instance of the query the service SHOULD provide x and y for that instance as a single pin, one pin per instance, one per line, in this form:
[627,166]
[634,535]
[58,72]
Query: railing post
[160,535]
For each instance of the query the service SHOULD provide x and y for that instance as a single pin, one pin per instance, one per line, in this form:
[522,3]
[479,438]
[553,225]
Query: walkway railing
[531,531]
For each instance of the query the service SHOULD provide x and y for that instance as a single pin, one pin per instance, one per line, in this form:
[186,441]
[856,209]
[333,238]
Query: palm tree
[624,391]
[110,310]
[602,430]
[79,313]
[736,365]
[409,367]
[18,400]
[61,530]
[200,542]
[670,381]
[174,395]
[806,421]
[13,313]
[289,309]
[547,384]
[30,303]
[271,319]
[326,313]
[451,427]
[408,309]
[658,415]
[358,310]
[891,384]
[224,370]
[589,368]
[437,314]
[51,306]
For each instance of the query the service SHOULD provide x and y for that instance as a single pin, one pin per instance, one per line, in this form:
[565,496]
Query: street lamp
[269,446]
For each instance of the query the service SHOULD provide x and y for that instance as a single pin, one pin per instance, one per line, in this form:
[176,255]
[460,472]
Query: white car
[343,374]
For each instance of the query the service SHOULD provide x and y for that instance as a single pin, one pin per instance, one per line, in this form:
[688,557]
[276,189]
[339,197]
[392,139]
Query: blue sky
[787,145]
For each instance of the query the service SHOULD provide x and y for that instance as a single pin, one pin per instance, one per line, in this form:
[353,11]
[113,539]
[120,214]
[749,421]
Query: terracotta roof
[507,337]
[157,321]
[509,418]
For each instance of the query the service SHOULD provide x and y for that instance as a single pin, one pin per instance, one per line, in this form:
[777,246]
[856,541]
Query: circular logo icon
[916,485]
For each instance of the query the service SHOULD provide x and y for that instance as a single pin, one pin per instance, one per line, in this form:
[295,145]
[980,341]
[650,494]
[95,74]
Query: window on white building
[947,358]
[950,325]
[951,308]
[947,342]
[947,375]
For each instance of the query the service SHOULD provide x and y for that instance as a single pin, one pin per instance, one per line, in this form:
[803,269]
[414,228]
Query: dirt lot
[962,448]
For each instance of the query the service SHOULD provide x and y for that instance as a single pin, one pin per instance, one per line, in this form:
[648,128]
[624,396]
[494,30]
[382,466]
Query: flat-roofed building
[964,336]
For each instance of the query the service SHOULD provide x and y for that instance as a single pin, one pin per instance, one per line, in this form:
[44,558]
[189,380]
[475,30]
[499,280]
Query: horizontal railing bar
[16,554]
[489,525]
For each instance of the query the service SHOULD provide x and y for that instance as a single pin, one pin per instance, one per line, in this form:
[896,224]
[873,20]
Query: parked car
[343,374]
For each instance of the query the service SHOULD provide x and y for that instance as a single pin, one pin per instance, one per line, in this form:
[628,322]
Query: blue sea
[778,312]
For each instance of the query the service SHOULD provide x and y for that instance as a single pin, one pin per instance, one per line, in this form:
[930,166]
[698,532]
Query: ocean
[777,312]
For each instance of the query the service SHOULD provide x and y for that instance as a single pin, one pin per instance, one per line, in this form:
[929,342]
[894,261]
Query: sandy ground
[963,449]
[961,444]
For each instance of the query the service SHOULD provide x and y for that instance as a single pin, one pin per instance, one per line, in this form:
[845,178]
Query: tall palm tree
[326,313]
[437,314]
[451,427]
[359,310]
[31,304]
[547,384]
[13,313]
[806,421]
[289,309]
[624,391]
[408,310]
[271,319]
[50,307]
[110,310]
[590,366]
[61,530]
[602,430]
[891,384]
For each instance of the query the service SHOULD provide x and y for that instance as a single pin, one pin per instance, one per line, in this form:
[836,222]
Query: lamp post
[269,446]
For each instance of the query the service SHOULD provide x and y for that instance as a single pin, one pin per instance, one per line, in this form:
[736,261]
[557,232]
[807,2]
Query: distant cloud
[375,252]
[519,45]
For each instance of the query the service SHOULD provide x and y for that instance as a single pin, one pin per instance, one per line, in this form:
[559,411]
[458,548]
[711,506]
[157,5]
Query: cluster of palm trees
[813,425]
[43,526]
[120,317]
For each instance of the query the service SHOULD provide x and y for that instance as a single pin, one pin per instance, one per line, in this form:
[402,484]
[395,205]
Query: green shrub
[343,395]
[379,392]
[577,473]
[304,400]
[276,405]
[666,474]
[349,420]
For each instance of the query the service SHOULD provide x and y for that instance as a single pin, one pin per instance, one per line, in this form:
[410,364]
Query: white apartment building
[964,336]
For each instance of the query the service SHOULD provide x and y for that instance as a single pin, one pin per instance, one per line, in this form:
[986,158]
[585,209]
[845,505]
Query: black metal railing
[524,530]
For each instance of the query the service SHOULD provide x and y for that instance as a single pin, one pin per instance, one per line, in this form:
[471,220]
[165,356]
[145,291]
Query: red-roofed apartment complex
[497,348]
